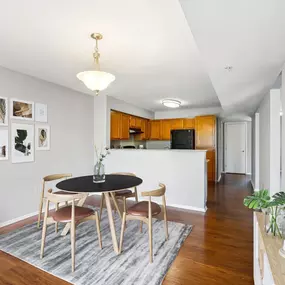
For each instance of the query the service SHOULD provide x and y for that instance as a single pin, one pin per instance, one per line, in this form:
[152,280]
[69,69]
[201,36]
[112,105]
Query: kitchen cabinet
[135,122]
[132,121]
[119,126]
[155,126]
[165,129]
[168,125]
[189,123]
[176,124]
[115,125]
[205,132]
[211,165]
[144,128]
[125,127]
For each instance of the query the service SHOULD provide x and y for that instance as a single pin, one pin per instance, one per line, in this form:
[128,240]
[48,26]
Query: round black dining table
[113,183]
[85,184]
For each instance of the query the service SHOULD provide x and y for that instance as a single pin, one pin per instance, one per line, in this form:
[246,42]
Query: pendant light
[96,80]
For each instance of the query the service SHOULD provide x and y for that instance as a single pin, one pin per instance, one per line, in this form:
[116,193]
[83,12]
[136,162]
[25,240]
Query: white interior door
[235,147]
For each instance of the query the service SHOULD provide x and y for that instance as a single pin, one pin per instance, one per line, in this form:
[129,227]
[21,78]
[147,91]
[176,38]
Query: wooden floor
[218,251]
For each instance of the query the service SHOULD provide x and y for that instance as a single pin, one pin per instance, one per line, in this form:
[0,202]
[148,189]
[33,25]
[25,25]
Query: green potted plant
[261,200]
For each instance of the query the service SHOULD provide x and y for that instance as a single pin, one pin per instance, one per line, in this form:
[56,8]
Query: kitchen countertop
[175,150]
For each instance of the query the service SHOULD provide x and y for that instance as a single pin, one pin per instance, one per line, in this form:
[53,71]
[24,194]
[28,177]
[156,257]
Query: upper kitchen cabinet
[189,123]
[155,129]
[132,121]
[168,125]
[165,129]
[176,124]
[135,122]
[125,127]
[120,124]
[205,132]
[145,129]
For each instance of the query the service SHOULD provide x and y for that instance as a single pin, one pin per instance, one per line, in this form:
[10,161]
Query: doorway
[235,147]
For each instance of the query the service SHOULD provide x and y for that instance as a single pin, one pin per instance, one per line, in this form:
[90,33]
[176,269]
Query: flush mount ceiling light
[171,103]
[96,80]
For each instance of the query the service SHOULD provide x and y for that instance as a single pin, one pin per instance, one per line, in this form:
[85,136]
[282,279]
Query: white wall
[187,113]
[182,171]
[255,152]
[70,116]
[248,147]
[220,148]
[283,128]
[269,141]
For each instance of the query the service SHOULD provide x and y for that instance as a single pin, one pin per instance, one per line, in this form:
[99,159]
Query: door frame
[226,143]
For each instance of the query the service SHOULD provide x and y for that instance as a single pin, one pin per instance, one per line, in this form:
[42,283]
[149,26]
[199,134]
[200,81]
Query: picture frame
[22,143]
[42,137]
[3,111]
[22,110]
[4,144]
[41,114]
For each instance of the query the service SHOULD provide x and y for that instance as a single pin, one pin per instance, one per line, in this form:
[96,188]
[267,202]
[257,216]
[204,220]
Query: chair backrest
[57,177]
[59,198]
[155,193]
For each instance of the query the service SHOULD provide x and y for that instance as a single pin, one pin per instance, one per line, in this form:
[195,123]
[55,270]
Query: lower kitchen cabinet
[211,165]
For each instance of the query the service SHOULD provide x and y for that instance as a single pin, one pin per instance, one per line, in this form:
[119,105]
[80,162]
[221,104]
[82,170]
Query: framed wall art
[41,113]
[3,111]
[23,110]
[4,144]
[42,137]
[22,143]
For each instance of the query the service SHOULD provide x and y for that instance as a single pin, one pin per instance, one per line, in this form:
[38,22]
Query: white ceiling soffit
[248,35]
[147,45]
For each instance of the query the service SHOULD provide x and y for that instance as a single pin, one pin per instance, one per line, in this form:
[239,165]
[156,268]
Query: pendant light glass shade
[96,80]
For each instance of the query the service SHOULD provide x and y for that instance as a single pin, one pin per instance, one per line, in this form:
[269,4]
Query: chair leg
[141,226]
[40,210]
[44,231]
[72,235]
[150,239]
[166,227]
[122,231]
[56,223]
[101,206]
[98,229]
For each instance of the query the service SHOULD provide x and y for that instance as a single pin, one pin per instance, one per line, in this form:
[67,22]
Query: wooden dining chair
[68,214]
[50,178]
[144,211]
[122,195]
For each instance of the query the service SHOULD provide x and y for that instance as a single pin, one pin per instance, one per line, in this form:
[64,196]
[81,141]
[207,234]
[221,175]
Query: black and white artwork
[22,143]
[3,144]
[42,137]
[23,110]
[41,112]
[3,111]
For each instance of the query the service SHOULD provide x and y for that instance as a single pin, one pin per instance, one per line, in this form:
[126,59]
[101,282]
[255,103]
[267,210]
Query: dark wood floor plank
[218,251]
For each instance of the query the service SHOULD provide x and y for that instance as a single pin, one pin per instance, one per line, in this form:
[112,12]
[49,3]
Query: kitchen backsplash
[157,144]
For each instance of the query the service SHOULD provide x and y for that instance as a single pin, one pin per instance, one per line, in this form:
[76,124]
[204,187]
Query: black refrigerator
[183,139]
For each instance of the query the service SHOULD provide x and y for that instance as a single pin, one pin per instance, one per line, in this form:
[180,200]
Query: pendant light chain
[96,56]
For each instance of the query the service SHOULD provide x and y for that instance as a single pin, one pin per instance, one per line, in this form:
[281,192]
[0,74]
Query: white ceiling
[147,45]
[246,34]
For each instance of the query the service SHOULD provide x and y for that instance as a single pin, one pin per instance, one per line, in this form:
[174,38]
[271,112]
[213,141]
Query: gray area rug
[96,266]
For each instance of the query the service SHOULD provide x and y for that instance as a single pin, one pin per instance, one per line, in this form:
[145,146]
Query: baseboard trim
[248,173]
[15,220]
[188,208]
[219,178]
